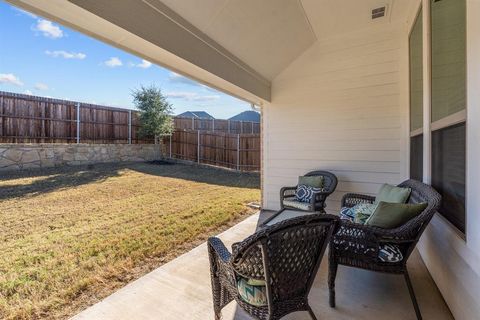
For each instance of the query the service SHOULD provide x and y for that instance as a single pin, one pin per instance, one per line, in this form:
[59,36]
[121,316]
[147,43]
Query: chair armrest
[352,199]
[380,235]
[354,240]
[216,245]
[322,195]
[319,197]
[362,242]
[287,192]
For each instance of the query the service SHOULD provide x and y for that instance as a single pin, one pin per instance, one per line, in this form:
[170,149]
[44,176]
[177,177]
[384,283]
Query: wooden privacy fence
[32,119]
[218,125]
[236,151]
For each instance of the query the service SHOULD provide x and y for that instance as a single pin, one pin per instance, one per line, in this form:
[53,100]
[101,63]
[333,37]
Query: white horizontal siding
[338,107]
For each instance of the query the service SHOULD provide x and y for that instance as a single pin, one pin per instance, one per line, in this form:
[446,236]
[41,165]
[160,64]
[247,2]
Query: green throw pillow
[311,181]
[391,215]
[392,194]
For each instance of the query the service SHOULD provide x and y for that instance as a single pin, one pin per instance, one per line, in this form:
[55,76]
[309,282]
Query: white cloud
[145,64]
[48,29]
[113,62]
[191,96]
[65,54]
[28,92]
[41,86]
[10,78]
[206,98]
[181,95]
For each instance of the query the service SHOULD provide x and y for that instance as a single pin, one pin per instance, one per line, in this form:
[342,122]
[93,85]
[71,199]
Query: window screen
[448,57]
[448,172]
[416,157]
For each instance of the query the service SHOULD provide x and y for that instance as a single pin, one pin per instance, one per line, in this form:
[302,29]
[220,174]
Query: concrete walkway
[180,289]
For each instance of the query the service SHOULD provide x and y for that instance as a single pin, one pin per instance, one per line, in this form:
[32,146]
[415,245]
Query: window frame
[425,8]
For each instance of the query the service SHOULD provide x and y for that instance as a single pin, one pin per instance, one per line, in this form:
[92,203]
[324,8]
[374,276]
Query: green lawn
[71,236]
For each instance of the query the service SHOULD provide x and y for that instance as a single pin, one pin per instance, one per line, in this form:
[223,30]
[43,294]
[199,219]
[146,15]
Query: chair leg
[310,312]
[332,273]
[412,295]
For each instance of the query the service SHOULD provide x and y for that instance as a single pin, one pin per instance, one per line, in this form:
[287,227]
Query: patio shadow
[52,179]
[202,174]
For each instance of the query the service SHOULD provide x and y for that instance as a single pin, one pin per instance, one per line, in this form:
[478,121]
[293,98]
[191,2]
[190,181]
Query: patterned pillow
[345,214]
[305,193]
[358,213]
[252,291]
[390,253]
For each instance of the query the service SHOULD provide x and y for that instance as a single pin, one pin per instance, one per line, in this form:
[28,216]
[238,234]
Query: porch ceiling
[330,18]
[238,46]
[267,34]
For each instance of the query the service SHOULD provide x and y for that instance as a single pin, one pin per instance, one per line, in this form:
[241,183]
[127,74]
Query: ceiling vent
[379,12]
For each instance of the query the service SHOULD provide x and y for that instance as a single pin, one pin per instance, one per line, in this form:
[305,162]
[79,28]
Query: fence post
[198,146]
[228,126]
[171,145]
[213,125]
[78,122]
[238,152]
[129,126]
[241,126]
[193,123]
[252,127]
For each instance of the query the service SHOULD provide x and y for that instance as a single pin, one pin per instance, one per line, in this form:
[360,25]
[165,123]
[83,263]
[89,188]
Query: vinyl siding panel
[341,107]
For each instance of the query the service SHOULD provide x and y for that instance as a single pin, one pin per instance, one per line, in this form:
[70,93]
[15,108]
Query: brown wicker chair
[285,255]
[318,202]
[357,245]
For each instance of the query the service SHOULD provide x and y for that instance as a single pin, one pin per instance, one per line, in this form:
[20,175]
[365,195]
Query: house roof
[249,115]
[196,114]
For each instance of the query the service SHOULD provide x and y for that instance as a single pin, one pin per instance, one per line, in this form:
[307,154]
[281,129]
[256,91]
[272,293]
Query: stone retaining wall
[26,156]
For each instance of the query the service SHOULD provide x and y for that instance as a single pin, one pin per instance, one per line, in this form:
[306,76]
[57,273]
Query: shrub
[155,112]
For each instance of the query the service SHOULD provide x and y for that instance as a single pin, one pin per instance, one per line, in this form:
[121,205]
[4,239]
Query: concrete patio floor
[180,289]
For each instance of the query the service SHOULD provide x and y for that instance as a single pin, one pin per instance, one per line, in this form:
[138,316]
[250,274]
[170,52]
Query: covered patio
[181,289]
[374,91]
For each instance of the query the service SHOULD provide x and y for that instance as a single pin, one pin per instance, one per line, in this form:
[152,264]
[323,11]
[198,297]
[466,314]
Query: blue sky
[43,58]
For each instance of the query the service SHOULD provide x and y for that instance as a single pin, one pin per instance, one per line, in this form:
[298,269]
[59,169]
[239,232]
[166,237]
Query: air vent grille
[378,12]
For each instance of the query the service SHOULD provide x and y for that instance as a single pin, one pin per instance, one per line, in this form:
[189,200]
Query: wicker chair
[357,245]
[318,202]
[285,255]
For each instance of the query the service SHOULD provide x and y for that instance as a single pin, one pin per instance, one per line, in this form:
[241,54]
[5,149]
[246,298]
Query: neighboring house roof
[252,116]
[195,114]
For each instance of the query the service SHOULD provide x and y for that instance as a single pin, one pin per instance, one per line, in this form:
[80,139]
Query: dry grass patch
[71,236]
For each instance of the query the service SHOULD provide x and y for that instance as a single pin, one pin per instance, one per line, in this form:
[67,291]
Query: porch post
[427,93]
